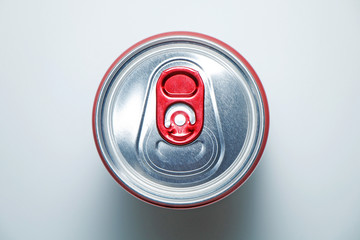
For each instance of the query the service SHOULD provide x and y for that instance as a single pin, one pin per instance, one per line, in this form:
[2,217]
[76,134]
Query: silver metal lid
[234,128]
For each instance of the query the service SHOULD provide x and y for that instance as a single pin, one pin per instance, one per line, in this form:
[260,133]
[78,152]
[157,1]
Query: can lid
[180,120]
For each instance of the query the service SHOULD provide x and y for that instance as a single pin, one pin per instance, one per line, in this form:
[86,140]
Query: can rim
[266,120]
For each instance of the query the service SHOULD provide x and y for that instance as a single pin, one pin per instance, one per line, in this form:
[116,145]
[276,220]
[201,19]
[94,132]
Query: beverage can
[180,120]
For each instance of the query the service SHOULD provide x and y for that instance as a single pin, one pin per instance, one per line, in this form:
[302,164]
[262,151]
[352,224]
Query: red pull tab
[180,105]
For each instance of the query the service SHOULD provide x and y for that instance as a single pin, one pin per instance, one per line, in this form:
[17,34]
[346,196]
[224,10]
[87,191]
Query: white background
[53,56]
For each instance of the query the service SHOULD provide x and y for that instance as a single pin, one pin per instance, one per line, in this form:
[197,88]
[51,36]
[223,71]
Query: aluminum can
[180,120]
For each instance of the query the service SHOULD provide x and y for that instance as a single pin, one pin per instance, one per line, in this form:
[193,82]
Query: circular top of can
[180,120]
